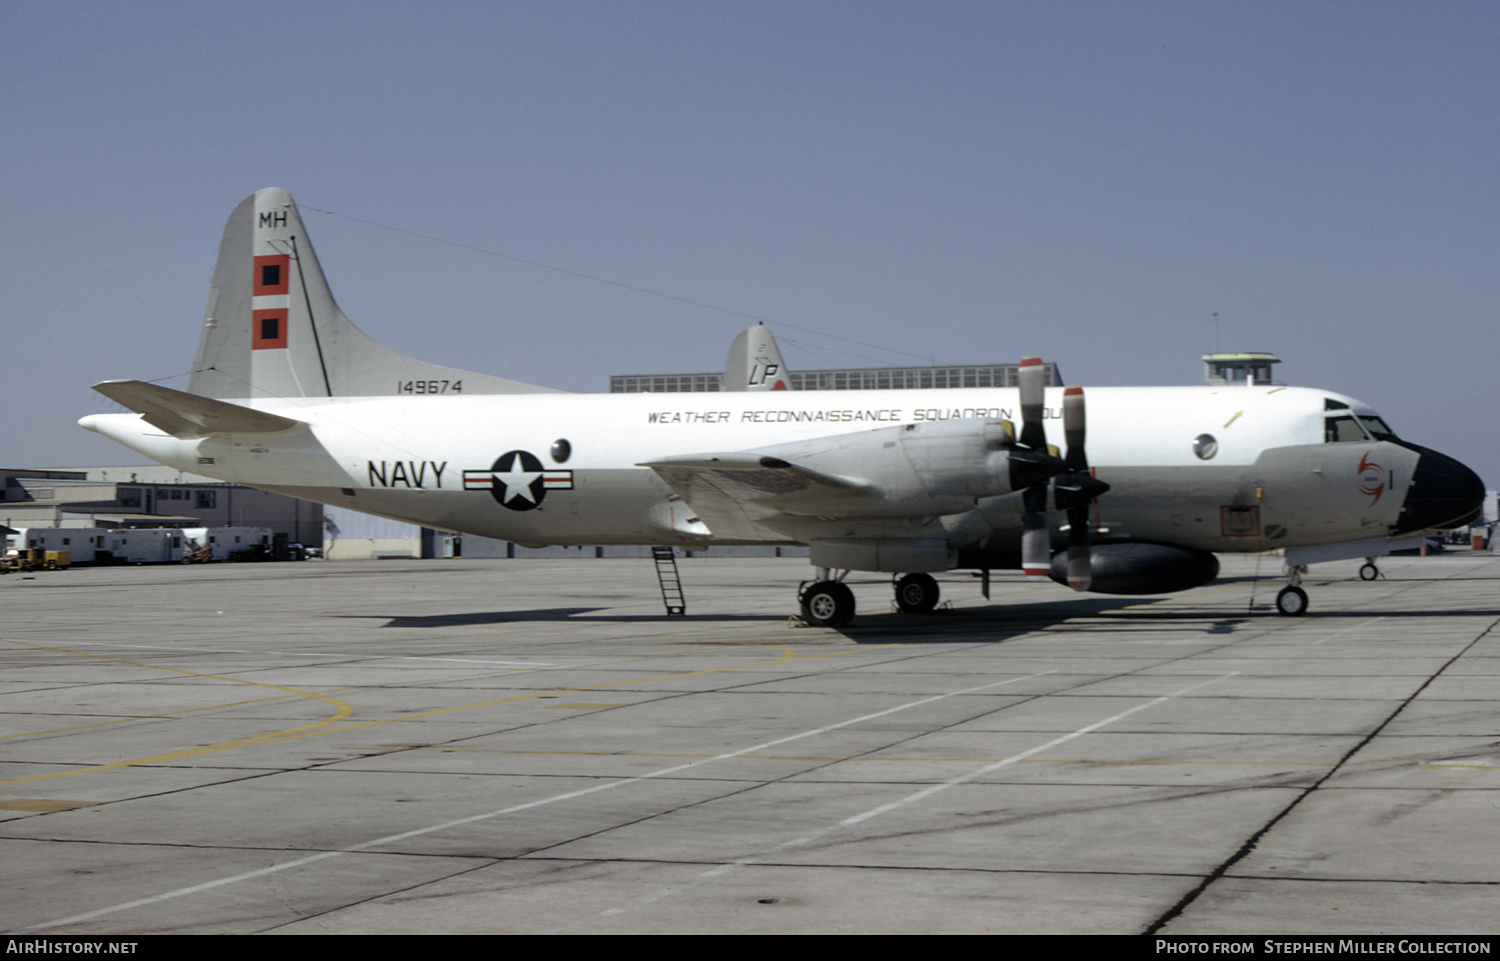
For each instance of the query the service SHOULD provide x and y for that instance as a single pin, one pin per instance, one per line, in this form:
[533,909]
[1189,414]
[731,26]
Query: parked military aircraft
[285,394]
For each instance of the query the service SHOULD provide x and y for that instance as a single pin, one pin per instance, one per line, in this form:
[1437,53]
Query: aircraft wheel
[917,593]
[1292,601]
[828,604]
[1369,572]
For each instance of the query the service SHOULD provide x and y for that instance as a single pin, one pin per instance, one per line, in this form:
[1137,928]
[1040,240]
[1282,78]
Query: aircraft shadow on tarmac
[866,628]
[545,614]
[1002,622]
[992,623]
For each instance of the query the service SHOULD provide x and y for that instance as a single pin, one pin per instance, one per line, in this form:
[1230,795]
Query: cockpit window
[1376,427]
[1342,430]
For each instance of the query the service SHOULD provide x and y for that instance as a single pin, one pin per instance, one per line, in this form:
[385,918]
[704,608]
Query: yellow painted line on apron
[788,656]
[341,711]
[350,687]
[345,710]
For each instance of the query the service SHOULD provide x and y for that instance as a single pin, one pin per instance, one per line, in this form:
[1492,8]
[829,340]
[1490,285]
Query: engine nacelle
[968,458]
[1136,567]
[946,468]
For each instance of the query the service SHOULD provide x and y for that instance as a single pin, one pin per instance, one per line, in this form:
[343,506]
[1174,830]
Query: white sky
[961,182]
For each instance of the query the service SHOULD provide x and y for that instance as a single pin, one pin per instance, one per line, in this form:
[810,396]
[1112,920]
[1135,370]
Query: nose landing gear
[1292,601]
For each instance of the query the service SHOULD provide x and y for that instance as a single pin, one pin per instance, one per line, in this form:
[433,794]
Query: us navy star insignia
[517,480]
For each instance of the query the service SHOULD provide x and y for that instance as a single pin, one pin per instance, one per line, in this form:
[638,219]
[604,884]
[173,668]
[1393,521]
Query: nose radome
[1443,494]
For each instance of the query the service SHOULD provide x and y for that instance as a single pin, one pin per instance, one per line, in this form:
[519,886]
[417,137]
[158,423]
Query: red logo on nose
[1371,479]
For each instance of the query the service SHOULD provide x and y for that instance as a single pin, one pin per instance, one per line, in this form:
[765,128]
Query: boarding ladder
[671,584]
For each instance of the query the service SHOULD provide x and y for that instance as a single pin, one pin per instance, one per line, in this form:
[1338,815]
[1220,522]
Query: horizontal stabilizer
[188,415]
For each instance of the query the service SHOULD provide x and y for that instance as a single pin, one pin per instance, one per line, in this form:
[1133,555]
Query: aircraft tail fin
[755,362]
[272,328]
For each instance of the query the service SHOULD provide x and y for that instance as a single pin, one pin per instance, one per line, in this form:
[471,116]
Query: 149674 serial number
[429,387]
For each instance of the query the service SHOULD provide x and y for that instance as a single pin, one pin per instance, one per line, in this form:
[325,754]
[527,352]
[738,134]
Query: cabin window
[1342,430]
[1376,427]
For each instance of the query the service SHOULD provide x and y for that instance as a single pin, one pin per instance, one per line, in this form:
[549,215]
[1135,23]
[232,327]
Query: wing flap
[188,415]
[732,493]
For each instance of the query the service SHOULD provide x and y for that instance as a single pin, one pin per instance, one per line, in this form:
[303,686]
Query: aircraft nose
[1443,494]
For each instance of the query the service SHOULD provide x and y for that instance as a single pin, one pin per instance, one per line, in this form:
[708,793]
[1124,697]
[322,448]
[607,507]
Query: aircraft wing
[189,415]
[732,493]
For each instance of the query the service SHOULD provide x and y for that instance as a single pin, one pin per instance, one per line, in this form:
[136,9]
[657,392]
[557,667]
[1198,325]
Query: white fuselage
[1271,480]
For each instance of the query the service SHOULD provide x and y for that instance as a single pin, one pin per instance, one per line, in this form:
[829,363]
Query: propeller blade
[1080,567]
[1081,487]
[1073,428]
[1033,376]
[1036,539]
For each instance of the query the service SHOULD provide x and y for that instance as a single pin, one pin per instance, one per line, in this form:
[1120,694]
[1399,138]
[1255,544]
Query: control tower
[1244,368]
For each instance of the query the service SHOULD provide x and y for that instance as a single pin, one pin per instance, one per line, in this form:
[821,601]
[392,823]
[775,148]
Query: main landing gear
[916,593]
[828,602]
[1368,571]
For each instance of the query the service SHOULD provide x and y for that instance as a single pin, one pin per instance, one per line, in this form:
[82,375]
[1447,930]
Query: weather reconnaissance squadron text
[838,416]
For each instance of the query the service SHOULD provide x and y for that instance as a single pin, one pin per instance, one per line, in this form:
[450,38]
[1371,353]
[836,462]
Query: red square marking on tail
[271,273]
[268,329]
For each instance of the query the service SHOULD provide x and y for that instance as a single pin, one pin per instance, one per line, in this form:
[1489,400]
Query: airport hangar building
[149,496]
